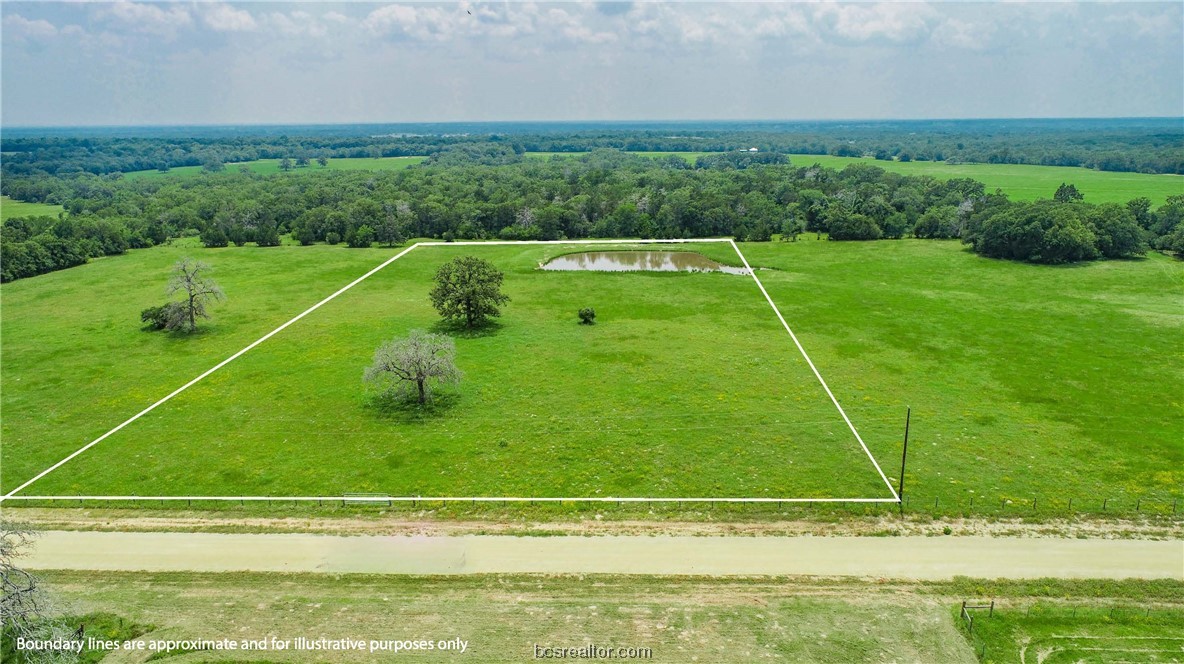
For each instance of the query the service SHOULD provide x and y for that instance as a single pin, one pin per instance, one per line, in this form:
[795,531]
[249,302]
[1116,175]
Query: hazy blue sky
[272,62]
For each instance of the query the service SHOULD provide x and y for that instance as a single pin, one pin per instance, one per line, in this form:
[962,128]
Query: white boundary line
[458,499]
[11,495]
[797,343]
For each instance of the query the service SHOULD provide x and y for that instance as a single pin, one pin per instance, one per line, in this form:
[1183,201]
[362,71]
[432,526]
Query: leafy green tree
[791,228]
[468,289]
[1140,209]
[413,366]
[940,222]
[240,235]
[1067,193]
[267,235]
[1039,232]
[1118,234]
[214,236]
[896,225]
[587,316]
[360,238]
[285,164]
[843,224]
[323,161]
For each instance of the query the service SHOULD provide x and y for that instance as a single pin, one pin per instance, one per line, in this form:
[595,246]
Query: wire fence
[975,615]
[937,507]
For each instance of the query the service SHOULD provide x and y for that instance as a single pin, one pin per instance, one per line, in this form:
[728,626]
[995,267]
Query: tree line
[749,196]
[1147,146]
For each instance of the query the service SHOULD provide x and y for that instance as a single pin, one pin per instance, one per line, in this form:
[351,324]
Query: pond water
[650,261]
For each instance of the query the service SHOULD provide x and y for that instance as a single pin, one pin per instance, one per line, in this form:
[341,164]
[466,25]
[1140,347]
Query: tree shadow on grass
[406,410]
[458,330]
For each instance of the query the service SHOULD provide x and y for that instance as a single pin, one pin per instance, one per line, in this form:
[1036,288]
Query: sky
[167,63]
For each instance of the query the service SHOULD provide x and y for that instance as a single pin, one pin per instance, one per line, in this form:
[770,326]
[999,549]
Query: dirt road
[916,558]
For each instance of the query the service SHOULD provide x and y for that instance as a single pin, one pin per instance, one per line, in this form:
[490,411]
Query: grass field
[687,387]
[503,617]
[1025,182]
[10,209]
[1025,380]
[272,166]
[1067,633]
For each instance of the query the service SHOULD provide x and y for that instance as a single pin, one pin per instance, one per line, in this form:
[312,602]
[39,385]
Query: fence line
[936,506]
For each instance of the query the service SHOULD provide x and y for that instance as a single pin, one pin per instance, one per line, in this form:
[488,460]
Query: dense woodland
[1138,145]
[478,192]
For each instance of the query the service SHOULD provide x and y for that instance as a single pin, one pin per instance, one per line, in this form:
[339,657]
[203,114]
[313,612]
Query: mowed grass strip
[503,617]
[687,386]
[10,209]
[1026,381]
[272,166]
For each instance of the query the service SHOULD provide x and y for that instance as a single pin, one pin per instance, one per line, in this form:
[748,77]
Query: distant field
[10,209]
[689,156]
[1024,182]
[272,166]
[1020,181]
[1025,380]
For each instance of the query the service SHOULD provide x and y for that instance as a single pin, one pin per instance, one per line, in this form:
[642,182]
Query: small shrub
[360,238]
[587,316]
[449,236]
[332,238]
[167,316]
[155,318]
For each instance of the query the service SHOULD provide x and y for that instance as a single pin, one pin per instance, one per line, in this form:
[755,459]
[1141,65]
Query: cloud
[958,33]
[224,18]
[886,20]
[23,27]
[295,24]
[149,18]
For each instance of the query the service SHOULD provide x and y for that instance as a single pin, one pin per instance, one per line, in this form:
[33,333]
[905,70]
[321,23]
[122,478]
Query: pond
[650,261]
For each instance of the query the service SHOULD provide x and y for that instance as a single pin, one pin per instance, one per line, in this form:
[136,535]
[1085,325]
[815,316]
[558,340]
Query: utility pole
[903,457]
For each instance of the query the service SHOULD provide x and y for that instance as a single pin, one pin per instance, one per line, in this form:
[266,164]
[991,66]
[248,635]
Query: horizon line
[582,121]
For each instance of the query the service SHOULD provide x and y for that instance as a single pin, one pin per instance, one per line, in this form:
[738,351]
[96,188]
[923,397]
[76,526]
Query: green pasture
[1067,634]
[1025,380]
[687,386]
[10,209]
[272,166]
[1025,182]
